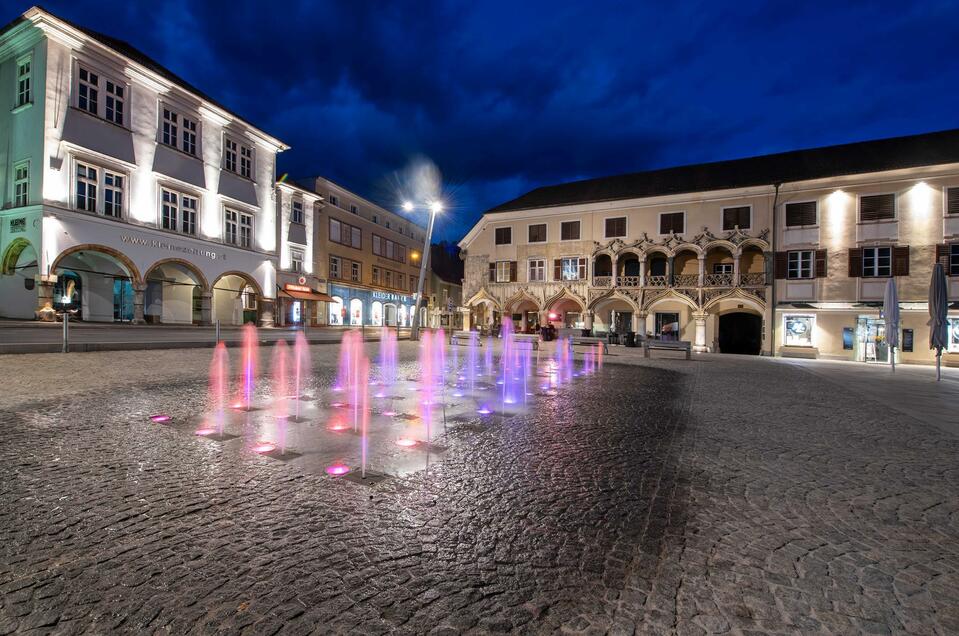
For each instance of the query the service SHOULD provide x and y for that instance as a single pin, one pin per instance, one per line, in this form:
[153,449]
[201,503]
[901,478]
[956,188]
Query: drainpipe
[772,287]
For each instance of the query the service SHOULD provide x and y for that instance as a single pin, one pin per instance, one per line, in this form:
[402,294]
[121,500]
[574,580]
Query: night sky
[507,96]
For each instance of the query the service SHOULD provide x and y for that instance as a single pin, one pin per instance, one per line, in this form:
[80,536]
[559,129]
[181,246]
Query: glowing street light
[434,207]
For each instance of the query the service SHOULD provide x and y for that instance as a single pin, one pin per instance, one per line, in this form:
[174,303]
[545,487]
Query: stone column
[465,312]
[589,320]
[266,311]
[699,346]
[45,310]
[615,272]
[138,290]
[642,272]
[669,271]
[702,270]
[639,323]
[736,270]
[206,308]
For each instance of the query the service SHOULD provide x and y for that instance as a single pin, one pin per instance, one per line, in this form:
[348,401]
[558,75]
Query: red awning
[311,295]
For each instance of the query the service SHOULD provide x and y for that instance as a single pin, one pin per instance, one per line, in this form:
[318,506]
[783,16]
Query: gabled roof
[798,165]
[139,57]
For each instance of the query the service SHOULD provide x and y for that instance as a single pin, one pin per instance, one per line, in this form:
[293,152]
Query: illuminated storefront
[354,306]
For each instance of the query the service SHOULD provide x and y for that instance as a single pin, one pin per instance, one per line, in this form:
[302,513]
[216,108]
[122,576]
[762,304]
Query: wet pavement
[720,495]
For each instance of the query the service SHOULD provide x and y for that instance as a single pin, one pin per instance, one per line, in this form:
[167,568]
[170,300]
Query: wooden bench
[588,341]
[530,338]
[465,337]
[667,345]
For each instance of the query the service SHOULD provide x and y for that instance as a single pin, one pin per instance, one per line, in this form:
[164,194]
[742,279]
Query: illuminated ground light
[509,400]
[484,410]
[457,394]
[389,413]
[405,442]
[337,388]
[338,426]
[414,388]
[264,447]
[238,405]
[337,469]
[380,395]
[160,418]
[203,432]
[337,405]
[499,382]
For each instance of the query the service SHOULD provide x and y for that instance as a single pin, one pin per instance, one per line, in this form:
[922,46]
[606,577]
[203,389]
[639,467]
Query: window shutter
[942,256]
[492,272]
[820,271]
[855,262]
[512,271]
[799,214]
[557,269]
[900,261]
[781,265]
[582,269]
[952,201]
[876,207]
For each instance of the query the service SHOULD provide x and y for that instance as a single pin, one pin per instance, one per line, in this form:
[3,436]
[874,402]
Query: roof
[127,50]
[798,165]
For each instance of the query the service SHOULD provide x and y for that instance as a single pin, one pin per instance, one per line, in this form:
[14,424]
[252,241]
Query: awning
[311,295]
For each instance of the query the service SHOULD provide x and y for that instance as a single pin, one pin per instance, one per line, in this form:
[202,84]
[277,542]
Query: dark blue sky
[507,96]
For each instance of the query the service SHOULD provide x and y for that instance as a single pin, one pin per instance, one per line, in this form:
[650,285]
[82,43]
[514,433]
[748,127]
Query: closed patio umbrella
[890,312]
[938,310]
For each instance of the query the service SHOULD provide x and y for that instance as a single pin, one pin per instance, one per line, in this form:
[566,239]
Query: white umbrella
[938,310]
[890,312]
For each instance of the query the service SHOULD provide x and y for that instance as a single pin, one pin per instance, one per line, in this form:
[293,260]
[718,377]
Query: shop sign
[297,288]
[907,339]
[173,247]
[18,225]
[388,296]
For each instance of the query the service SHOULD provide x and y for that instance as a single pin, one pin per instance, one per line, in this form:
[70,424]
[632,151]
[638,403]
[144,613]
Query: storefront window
[336,311]
[402,315]
[376,313]
[356,312]
[797,330]
[954,335]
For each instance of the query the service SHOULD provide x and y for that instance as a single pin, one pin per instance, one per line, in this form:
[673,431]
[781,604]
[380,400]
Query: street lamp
[434,207]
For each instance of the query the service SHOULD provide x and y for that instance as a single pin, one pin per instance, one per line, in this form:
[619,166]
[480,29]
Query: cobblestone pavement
[720,495]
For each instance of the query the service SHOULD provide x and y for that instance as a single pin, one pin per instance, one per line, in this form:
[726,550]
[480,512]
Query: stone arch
[246,277]
[132,270]
[519,297]
[752,242]
[738,295]
[626,251]
[193,269]
[687,247]
[615,295]
[12,255]
[723,243]
[566,294]
[483,296]
[656,249]
[671,295]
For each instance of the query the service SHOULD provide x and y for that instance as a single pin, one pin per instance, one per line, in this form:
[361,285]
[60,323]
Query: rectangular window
[376,275]
[537,233]
[952,200]
[876,262]
[877,207]
[672,223]
[572,268]
[800,214]
[334,231]
[722,268]
[569,230]
[246,229]
[954,259]
[170,211]
[799,264]
[376,219]
[188,136]
[377,245]
[504,235]
[170,127]
[401,253]
[23,81]
[230,226]
[413,283]
[87,180]
[239,228]
[953,335]
[334,200]
[296,261]
[797,330]
[356,238]
[246,161]
[345,234]
[739,216]
[537,270]
[389,278]
[355,272]
[114,102]
[88,91]
[334,267]
[502,271]
[229,155]
[21,184]
[616,227]
[296,211]
[113,194]
[188,207]
[354,209]
[400,281]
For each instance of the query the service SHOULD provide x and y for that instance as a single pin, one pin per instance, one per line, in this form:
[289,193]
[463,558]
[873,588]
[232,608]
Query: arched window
[336,311]
[402,316]
[376,313]
[356,312]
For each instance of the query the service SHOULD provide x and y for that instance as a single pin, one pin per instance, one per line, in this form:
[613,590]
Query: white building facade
[128,195]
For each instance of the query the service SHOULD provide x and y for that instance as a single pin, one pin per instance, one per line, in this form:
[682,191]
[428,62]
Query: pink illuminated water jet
[264,447]
[337,469]
[205,431]
[403,441]
[160,419]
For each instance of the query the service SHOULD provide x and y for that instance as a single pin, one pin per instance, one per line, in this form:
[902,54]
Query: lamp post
[434,208]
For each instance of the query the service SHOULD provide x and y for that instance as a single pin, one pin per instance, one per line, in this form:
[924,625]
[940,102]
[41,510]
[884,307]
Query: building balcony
[602,281]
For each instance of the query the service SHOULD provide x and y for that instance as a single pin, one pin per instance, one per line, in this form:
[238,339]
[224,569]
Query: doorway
[740,332]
